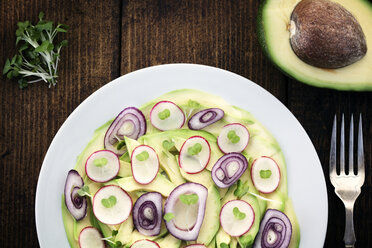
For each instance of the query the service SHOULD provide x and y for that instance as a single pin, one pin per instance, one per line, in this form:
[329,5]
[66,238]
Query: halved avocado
[274,34]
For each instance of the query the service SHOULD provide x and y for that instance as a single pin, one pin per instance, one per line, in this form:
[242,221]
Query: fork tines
[333,150]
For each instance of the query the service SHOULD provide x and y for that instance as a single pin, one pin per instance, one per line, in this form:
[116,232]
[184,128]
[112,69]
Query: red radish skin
[131,159]
[90,229]
[106,180]
[247,228]
[161,102]
[131,204]
[277,185]
[144,243]
[240,150]
[209,148]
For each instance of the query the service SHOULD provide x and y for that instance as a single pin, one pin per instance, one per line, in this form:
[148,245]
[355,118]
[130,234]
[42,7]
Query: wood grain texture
[30,118]
[111,38]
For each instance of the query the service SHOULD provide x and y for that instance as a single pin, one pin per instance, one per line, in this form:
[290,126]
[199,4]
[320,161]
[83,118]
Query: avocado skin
[261,35]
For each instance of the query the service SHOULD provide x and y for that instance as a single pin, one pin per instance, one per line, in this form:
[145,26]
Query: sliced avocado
[169,242]
[125,169]
[211,220]
[222,237]
[212,244]
[234,243]
[95,144]
[131,144]
[160,184]
[68,222]
[274,30]
[204,177]
[138,236]
[289,211]
[125,231]
[248,238]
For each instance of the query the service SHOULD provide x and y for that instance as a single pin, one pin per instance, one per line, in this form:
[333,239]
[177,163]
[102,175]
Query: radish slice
[166,115]
[184,210]
[265,174]
[205,118]
[194,154]
[102,166]
[90,237]
[233,137]
[228,169]
[237,217]
[145,164]
[196,246]
[75,204]
[131,123]
[145,243]
[147,213]
[275,230]
[112,205]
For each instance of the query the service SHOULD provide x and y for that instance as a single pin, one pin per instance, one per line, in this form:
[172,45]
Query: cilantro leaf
[164,114]
[265,174]
[241,189]
[167,145]
[231,135]
[109,202]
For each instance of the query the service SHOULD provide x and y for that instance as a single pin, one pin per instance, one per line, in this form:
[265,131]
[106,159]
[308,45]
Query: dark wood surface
[110,38]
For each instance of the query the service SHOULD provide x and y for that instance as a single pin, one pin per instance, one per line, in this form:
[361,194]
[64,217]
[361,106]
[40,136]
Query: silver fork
[347,186]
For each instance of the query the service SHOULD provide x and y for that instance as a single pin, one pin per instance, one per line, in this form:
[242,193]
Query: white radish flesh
[90,237]
[145,243]
[233,137]
[265,174]
[166,115]
[145,164]
[112,205]
[194,154]
[102,166]
[237,217]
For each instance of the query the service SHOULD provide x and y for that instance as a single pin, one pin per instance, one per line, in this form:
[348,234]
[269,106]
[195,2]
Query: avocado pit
[326,35]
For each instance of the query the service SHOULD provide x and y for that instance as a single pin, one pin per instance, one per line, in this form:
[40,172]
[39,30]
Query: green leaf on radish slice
[99,162]
[265,174]
[238,215]
[231,135]
[109,202]
[168,216]
[195,149]
[164,114]
[143,156]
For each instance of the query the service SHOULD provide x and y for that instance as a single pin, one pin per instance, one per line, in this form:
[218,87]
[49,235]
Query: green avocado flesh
[273,31]
[170,175]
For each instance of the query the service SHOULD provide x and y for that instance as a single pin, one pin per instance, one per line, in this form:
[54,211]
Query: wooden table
[110,38]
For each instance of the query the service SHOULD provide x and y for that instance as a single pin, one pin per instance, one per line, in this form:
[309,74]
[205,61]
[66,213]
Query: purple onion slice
[147,214]
[275,230]
[187,217]
[205,118]
[228,169]
[131,123]
[76,204]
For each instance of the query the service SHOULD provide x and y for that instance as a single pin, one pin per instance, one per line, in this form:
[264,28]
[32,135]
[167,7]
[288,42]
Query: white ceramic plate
[306,182]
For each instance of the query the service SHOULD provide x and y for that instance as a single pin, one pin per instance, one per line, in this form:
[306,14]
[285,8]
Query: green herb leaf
[143,156]
[41,16]
[120,144]
[167,145]
[164,114]
[231,135]
[7,67]
[224,245]
[195,149]
[114,233]
[238,215]
[189,199]
[61,30]
[99,162]
[43,47]
[84,191]
[168,216]
[193,104]
[241,189]
[118,244]
[265,174]
[109,202]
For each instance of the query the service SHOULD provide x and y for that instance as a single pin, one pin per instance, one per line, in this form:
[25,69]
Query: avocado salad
[184,170]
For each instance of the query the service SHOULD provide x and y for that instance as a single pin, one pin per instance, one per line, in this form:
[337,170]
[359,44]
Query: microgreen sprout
[38,56]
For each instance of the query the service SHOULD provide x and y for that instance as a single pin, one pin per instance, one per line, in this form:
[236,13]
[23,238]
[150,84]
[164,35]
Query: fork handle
[349,237]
